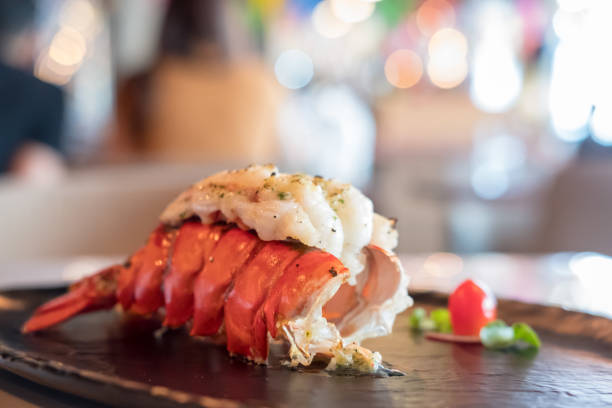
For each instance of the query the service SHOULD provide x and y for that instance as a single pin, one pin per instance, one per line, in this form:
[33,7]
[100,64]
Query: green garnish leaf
[497,335]
[427,325]
[441,319]
[524,333]
[438,320]
[417,316]
[497,323]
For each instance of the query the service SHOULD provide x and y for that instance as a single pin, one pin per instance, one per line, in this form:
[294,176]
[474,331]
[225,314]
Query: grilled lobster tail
[219,276]
[87,295]
[222,261]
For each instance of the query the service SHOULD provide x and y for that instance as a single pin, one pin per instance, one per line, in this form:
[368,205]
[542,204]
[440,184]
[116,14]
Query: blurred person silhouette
[196,102]
[31,111]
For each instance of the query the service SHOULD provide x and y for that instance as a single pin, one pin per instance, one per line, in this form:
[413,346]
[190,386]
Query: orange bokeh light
[433,15]
[403,68]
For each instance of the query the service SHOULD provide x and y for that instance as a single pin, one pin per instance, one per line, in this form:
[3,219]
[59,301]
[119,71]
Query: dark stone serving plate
[103,357]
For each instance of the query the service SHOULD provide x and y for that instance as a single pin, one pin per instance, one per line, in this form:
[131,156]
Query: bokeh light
[570,104]
[581,83]
[489,182]
[573,5]
[403,68]
[447,66]
[68,47]
[497,71]
[322,116]
[352,11]
[500,151]
[566,25]
[494,159]
[79,22]
[294,69]
[601,124]
[48,70]
[80,15]
[446,76]
[591,268]
[58,63]
[326,23]
[433,15]
[497,78]
[450,41]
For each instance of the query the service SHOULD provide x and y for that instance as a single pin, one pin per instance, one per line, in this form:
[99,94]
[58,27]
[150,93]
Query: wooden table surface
[574,281]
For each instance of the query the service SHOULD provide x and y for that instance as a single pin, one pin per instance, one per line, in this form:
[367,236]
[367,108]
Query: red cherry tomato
[471,307]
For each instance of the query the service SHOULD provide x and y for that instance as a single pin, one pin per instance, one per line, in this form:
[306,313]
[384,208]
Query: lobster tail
[192,250]
[221,259]
[92,293]
[222,276]
[245,328]
[232,252]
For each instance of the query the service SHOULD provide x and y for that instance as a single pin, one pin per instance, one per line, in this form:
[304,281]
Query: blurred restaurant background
[483,126]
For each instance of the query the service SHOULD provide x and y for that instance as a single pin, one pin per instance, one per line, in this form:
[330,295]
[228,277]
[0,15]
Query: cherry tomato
[471,307]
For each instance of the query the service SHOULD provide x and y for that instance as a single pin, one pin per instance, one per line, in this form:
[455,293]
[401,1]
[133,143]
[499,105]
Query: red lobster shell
[225,279]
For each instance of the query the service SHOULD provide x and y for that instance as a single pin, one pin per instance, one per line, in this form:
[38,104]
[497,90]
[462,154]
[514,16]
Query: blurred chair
[579,209]
[99,211]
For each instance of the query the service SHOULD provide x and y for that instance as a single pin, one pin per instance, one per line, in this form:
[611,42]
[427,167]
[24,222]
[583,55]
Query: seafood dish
[252,257]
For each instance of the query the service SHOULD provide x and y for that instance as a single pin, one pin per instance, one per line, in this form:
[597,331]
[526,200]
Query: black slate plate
[102,357]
